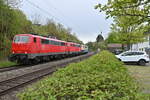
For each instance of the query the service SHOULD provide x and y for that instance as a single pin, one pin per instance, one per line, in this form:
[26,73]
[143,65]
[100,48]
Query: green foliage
[125,31]
[101,77]
[125,38]
[90,46]
[13,21]
[94,46]
[57,30]
[133,8]
[102,45]
[113,38]
[131,20]
[99,44]
[6,64]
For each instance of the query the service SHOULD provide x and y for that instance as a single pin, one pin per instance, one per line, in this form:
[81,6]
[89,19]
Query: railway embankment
[101,77]
[13,81]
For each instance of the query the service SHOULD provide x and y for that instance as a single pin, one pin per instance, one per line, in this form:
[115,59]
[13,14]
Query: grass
[6,64]
[142,76]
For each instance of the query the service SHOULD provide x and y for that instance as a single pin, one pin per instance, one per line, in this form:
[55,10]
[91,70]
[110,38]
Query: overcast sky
[79,15]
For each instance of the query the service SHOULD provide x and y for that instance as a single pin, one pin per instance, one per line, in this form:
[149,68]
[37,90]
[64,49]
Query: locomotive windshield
[21,39]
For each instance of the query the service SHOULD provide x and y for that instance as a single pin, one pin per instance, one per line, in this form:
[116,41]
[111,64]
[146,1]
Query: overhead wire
[46,12]
[61,13]
[32,10]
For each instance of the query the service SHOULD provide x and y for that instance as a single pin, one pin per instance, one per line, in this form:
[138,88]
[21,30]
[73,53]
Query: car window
[132,53]
[128,54]
[139,53]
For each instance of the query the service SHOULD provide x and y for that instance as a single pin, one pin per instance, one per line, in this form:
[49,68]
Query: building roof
[115,45]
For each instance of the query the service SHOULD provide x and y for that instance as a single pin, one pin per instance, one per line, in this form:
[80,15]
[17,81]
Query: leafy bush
[101,77]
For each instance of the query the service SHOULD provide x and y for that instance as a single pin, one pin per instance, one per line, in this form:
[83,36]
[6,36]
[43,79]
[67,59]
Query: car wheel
[119,59]
[142,62]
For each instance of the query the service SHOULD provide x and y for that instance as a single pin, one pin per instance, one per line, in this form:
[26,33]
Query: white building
[144,46]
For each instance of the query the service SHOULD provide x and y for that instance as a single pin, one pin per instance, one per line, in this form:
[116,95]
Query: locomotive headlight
[25,52]
[13,52]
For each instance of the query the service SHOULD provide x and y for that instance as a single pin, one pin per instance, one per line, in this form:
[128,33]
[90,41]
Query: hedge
[101,77]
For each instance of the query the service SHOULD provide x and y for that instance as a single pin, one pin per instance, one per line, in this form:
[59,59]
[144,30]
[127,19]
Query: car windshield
[21,39]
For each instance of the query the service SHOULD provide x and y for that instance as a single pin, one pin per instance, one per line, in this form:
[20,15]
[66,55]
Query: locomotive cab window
[21,39]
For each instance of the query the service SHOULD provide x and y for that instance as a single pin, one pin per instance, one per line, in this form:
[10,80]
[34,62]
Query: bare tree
[36,19]
[13,3]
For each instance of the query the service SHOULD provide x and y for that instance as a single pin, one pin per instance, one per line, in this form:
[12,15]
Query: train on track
[31,48]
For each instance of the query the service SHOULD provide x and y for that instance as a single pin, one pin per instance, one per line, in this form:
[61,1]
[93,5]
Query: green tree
[132,8]
[91,46]
[13,21]
[131,18]
[125,31]
[55,29]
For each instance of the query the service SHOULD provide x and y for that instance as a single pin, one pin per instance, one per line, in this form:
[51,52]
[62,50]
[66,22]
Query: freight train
[30,48]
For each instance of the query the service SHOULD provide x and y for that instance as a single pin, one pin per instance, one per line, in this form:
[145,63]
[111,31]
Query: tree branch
[138,15]
[138,4]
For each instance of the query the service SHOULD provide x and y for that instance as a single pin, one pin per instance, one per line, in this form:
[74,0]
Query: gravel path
[18,72]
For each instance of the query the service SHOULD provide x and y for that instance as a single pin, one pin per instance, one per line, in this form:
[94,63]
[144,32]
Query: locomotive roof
[73,43]
[48,38]
[42,37]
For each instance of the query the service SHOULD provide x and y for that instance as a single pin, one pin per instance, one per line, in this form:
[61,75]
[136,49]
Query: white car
[139,57]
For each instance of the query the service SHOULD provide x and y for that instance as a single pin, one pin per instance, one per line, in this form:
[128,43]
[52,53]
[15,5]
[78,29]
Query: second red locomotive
[29,47]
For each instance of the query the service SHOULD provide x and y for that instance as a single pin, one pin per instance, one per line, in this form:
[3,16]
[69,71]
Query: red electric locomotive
[33,48]
[73,48]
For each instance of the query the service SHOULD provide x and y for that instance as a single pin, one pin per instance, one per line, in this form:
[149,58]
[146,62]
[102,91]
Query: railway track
[15,67]
[12,84]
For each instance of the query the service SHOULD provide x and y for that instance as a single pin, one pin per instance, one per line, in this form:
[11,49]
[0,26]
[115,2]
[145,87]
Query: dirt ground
[142,76]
